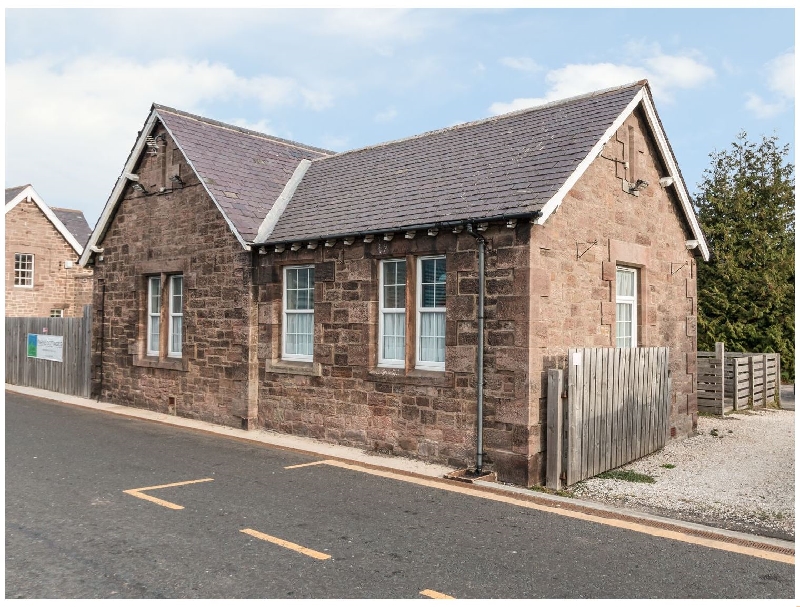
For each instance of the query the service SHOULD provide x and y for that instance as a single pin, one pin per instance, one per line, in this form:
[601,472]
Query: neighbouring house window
[392,320]
[430,312]
[23,269]
[153,315]
[175,315]
[298,313]
[56,313]
[626,307]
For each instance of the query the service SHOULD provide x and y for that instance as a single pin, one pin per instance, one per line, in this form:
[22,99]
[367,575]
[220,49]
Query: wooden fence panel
[617,409]
[736,380]
[70,376]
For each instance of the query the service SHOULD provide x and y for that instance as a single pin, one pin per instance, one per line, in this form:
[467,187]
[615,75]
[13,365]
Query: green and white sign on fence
[46,347]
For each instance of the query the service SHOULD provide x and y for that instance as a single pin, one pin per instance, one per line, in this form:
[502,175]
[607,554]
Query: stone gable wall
[178,232]
[54,286]
[573,264]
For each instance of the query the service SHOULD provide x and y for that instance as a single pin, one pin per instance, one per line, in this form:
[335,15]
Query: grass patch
[668,466]
[558,492]
[627,475]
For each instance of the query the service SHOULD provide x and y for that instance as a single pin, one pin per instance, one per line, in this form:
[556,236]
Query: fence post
[778,380]
[555,429]
[719,350]
[751,370]
[764,382]
[736,384]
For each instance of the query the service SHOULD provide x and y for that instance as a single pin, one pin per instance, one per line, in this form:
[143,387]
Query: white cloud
[763,109]
[780,81]
[666,73]
[90,109]
[523,64]
[780,75]
[386,115]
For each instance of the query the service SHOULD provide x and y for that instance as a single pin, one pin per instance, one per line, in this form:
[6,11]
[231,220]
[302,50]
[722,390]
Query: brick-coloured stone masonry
[549,288]
[54,286]
[178,232]
[345,397]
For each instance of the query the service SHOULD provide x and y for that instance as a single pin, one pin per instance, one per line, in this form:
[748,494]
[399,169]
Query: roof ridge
[489,119]
[233,127]
[65,209]
[18,187]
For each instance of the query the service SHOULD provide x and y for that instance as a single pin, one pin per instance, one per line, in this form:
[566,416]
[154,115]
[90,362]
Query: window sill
[293,367]
[414,377]
[153,362]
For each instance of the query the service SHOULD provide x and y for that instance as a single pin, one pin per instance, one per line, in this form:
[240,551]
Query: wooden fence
[729,381]
[70,376]
[615,410]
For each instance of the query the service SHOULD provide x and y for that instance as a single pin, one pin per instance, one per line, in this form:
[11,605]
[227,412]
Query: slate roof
[75,222]
[507,165]
[244,170]
[12,193]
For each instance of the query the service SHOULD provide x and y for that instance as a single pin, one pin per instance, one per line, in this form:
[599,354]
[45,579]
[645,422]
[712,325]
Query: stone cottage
[258,282]
[43,245]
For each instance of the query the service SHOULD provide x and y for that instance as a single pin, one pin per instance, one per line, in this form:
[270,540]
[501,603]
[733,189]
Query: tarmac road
[253,526]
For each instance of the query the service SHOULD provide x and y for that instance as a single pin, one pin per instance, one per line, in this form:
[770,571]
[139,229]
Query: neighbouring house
[43,245]
[257,282]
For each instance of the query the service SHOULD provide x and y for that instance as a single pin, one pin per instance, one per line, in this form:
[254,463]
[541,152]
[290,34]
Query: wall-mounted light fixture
[692,244]
[635,188]
[176,179]
[139,188]
[667,181]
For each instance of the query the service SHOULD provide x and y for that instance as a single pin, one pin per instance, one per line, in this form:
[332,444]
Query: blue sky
[79,83]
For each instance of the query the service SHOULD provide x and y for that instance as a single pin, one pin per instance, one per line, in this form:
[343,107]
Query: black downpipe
[479,364]
[102,336]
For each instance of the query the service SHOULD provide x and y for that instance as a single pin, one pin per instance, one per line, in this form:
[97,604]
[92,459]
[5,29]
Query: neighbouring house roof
[17,194]
[75,222]
[12,193]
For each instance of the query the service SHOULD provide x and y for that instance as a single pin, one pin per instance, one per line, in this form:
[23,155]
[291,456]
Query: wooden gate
[72,375]
[616,410]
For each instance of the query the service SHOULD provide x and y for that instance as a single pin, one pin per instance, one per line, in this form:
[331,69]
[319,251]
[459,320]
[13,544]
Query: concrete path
[415,468]
[787,396]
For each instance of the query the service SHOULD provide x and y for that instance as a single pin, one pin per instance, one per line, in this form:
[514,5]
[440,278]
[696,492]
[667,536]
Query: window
[23,270]
[153,315]
[298,313]
[431,309]
[626,307]
[175,315]
[56,313]
[392,320]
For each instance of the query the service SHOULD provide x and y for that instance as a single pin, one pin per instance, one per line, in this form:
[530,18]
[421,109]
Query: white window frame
[286,312]
[153,314]
[390,362]
[631,300]
[33,261]
[173,315]
[426,364]
[56,313]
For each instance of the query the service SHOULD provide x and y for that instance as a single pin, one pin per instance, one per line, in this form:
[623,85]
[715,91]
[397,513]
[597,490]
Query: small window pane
[625,283]
[432,337]
[433,283]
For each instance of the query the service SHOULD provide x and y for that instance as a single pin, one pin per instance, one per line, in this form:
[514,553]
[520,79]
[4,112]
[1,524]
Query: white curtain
[431,339]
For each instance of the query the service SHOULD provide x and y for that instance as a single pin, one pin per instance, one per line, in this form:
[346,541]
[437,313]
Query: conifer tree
[746,291]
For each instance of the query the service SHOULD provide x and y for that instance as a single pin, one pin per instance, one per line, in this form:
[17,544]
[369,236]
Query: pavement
[419,469]
[787,397]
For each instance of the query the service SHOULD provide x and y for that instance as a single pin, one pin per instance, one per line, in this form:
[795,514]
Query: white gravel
[737,472]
